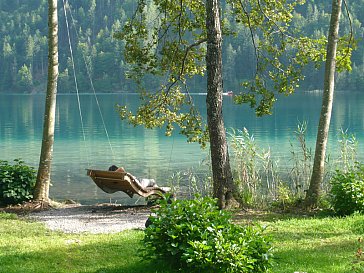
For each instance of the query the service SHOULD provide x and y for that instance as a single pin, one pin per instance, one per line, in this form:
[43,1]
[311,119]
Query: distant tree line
[92,23]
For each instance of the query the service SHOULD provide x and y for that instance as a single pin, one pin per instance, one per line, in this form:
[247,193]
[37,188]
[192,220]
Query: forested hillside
[92,23]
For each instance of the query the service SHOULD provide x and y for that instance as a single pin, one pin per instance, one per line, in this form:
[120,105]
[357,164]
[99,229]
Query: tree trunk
[326,109]
[44,171]
[223,186]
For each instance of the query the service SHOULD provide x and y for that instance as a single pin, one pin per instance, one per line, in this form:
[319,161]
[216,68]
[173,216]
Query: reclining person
[144,182]
[114,168]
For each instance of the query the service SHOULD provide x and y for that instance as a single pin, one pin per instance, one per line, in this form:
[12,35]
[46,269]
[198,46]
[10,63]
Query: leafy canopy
[166,39]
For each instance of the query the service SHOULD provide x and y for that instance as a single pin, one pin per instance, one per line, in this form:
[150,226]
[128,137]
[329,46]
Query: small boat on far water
[228,93]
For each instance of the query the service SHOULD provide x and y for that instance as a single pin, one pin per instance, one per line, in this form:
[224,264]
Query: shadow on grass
[147,267]
[77,253]
[272,216]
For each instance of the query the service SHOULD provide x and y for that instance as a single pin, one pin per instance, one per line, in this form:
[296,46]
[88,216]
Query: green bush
[17,182]
[193,235]
[347,190]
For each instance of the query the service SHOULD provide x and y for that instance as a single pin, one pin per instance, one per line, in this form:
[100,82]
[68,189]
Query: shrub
[348,190]
[16,182]
[195,236]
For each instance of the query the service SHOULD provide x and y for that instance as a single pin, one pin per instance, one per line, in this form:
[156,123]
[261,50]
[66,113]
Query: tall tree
[222,176]
[326,108]
[41,193]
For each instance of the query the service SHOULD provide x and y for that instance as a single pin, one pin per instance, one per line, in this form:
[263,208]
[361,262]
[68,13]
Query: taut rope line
[76,83]
[65,4]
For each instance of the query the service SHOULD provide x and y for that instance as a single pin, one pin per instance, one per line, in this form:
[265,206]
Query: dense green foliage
[23,46]
[17,182]
[91,25]
[348,190]
[195,236]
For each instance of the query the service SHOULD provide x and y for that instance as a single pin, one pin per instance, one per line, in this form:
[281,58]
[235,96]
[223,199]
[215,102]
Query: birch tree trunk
[326,109]
[44,170]
[223,185]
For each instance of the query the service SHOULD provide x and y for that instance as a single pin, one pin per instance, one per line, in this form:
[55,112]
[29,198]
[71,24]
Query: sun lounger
[111,182]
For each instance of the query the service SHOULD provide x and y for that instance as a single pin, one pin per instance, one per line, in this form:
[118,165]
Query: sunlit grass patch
[315,244]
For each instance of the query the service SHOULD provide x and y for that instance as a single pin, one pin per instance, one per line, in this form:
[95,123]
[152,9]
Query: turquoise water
[145,152]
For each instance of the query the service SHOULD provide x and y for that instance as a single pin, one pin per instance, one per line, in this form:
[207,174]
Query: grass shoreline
[301,244]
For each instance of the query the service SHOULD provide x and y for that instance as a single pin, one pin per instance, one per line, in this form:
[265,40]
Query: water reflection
[145,152]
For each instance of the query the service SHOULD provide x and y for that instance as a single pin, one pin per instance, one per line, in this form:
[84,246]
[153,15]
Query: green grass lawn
[300,244]
[316,245]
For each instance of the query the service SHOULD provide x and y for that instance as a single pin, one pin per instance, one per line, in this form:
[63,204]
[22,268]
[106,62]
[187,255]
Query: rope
[76,83]
[89,76]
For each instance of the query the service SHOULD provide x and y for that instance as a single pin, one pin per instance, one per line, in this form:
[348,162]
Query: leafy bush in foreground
[348,190]
[194,235]
[16,182]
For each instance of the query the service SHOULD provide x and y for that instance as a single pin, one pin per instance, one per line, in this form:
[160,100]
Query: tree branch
[256,51]
[351,35]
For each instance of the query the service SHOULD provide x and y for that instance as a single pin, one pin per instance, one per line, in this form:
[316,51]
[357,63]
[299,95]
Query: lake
[145,152]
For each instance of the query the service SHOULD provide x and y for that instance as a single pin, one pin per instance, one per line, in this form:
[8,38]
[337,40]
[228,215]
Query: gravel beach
[105,218]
